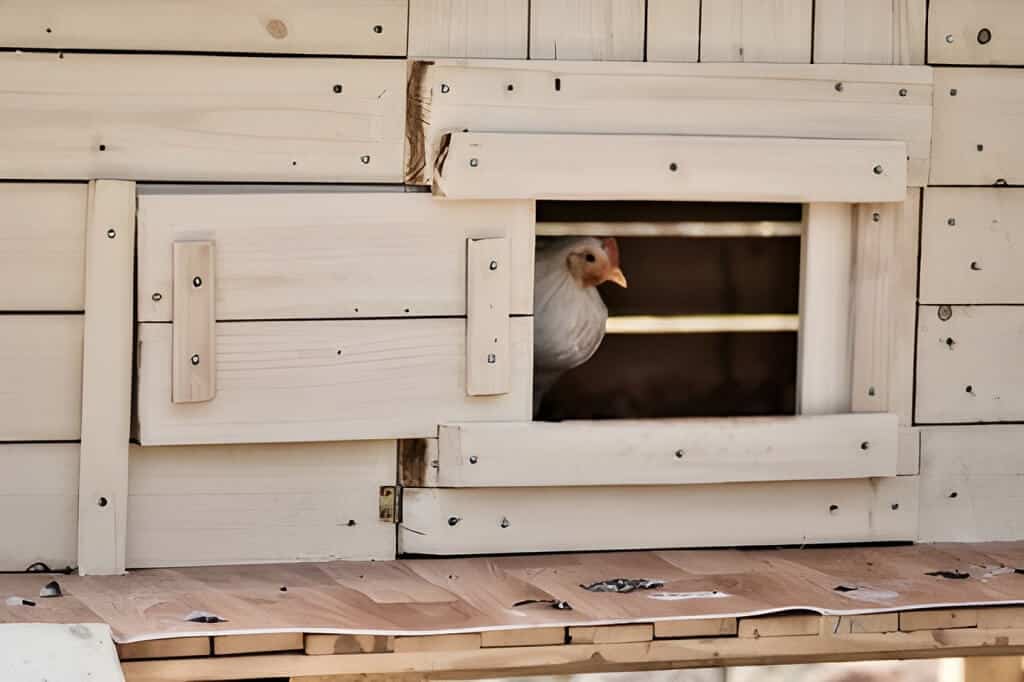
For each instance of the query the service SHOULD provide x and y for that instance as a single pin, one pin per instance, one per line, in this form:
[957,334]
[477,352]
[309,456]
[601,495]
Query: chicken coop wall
[319,420]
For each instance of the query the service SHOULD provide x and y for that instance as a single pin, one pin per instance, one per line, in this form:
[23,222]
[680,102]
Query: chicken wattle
[569,315]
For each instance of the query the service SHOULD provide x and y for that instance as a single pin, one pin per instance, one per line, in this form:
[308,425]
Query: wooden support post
[194,363]
[488,364]
[824,363]
[106,377]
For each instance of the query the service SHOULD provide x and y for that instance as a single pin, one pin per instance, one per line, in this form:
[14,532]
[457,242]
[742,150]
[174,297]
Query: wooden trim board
[746,100]
[106,377]
[966,370]
[302,381]
[348,27]
[246,504]
[177,117]
[42,246]
[283,253]
[661,452]
[500,520]
[40,377]
[956,32]
[472,165]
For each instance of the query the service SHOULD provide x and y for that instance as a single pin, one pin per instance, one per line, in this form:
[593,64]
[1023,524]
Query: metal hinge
[390,508]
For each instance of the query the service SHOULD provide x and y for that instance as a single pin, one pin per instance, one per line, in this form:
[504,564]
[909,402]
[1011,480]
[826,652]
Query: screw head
[866,445]
[365,158]
[673,166]
[839,87]
[473,459]
[194,359]
[102,502]
[157,296]
[473,163]
[975,266]
[951,222]
[871,391]
[445,88]
[876,217]
[984,36]
[949,38]
[197,282]
[504,522]
[453,520]
[111,233]
[878,170]
[833,508]
[338,88]
[493,265]
[491,358]
[953,92]
[945,312]
[378,29]
[680,453]
[903,92]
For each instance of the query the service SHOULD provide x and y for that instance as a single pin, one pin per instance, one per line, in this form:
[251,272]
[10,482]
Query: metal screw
[102,502]
[975,266]
[984,36]
[473,163]
[111,233]
[969,389]
[981,147]
[673,167]
[866,445]
[453,520]
[839,87]
[510,87]
[950,342]
[894,506]
[1001,181]
[378,29]
[680,453]
[875,217]
[365,158]
[473,459]
[871,390]
[197,282]
[491,358]
[195,359]
[833,508]
[157,296]
[952,92]
[945,312]
[504,522]
[953,495]
[493,265]
[951,222]
[338,88]
[103,147]
[903,92]
[949,38]
[878,170]
[445,89]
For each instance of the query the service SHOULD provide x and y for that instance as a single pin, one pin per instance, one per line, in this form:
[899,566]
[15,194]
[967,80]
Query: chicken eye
[591,258]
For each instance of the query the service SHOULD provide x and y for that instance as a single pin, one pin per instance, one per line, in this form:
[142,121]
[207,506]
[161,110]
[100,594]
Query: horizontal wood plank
[965,367]
[780,626]
[758,100]
[698,627]
[869,31]
[725,450]
[972,244]
[675,168]
[348,27]
[429,643]
[970,483]
[167,117]
[611,634]
[938,619]
[249,644]
[523,637]
[326,380]
[977,125]
[285,254]
[498,520]
[42,246]
[241,504]
[496,29]
[40,377]
[38,505]
[980,32]
[861,624]
[173,647]
[321,645]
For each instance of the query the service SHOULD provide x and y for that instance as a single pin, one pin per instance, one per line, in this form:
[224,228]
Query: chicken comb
[611,247]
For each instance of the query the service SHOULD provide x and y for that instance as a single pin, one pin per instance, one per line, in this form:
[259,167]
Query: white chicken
[569,315]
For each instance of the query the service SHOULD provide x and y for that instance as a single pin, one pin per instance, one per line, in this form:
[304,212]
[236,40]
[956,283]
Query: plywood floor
[436,596]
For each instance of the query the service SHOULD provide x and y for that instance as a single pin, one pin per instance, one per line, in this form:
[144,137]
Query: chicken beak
[615,275]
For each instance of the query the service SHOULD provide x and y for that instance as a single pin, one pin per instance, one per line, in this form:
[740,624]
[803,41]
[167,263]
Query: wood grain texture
[243,504]
[327,380]
[673,30]
[972,242]
[164,117]
[523,637]
[38,505]
[42,246]
[289,253]
[321,645]
[755,31]
[106,391]
[611,634]
[938,619]
[969,488]
[747,100]
[993,669]
[861,624]
[591,30]
[431,643]
[671,168]
[304,27]
[824,352]
[225,645]
[869,31]
[495,29]
[704,627]
[601,518]
[194,364]
[964,367]
[174,647]
[977,124]
[40,377]
[780,626]
[955,32]
[725,450]
[488,285]
[884,295]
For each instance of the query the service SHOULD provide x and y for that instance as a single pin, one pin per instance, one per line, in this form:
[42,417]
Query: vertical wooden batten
[495,29]
[590,30]
[106,377]
[824,363]
[756,31]
[869,31]
[673,30]
[194,364]
[488,365]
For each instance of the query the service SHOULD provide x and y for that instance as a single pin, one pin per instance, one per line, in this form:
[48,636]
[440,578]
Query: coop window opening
[708,324]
